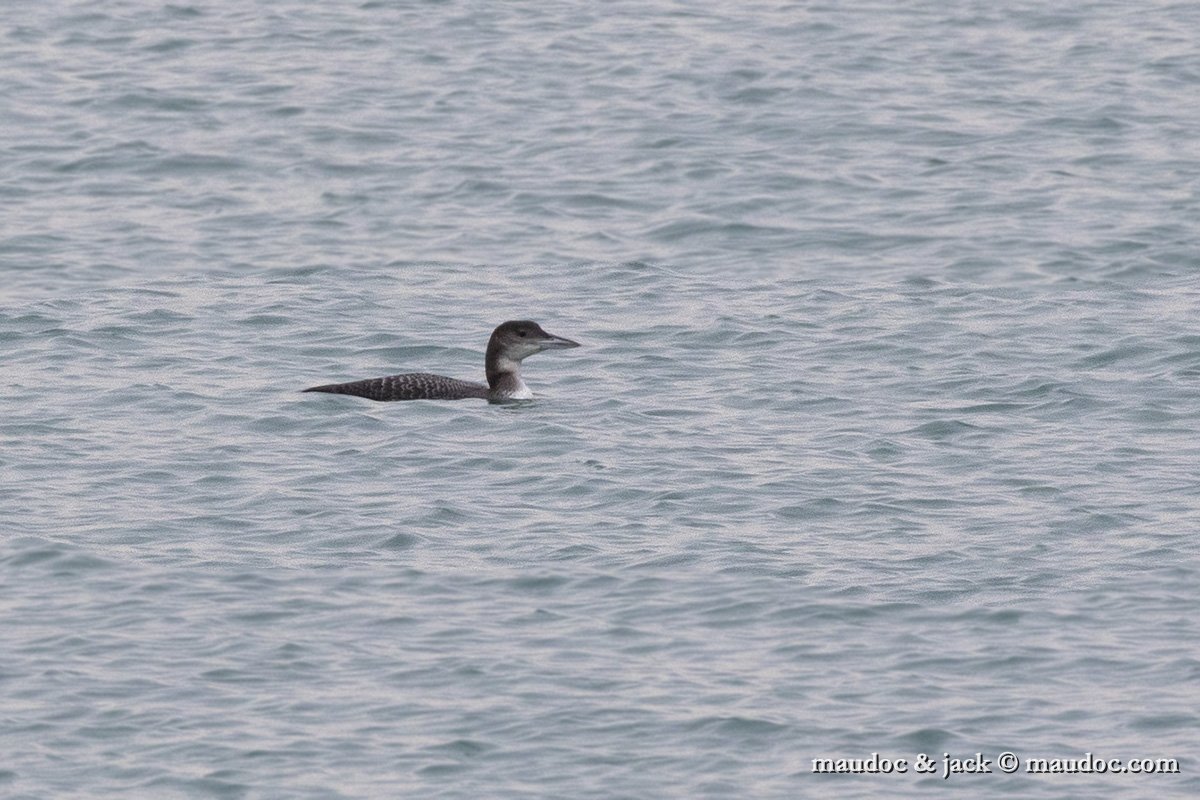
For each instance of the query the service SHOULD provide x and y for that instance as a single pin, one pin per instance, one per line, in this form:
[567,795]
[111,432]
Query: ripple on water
[880,439]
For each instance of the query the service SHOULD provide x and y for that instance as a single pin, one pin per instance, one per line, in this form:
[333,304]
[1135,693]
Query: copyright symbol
[1008,762]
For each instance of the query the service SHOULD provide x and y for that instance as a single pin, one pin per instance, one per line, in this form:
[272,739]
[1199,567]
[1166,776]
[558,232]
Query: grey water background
[882,437]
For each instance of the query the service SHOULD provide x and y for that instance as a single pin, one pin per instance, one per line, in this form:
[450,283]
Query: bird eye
[521,333]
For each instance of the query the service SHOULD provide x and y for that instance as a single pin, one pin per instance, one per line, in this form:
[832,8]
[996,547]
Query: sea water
[880,447]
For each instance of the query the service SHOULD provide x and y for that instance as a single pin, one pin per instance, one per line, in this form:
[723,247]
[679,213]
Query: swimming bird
[511,343]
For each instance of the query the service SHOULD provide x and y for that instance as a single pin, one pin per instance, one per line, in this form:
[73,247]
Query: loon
[511,343]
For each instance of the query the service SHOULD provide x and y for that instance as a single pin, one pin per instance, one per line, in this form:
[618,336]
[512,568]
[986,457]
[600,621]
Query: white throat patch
[521,392]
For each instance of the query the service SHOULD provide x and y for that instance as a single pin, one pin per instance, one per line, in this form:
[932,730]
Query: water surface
[881,437]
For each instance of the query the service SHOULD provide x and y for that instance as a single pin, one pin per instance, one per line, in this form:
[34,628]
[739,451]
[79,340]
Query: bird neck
[502,368]
[508,386]
[504,374]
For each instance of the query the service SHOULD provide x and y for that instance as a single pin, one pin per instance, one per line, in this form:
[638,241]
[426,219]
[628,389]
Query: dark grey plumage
[412,386]
[510,343]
